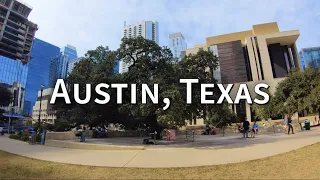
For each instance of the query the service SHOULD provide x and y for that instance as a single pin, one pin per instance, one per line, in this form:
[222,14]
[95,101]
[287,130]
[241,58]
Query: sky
[87,24]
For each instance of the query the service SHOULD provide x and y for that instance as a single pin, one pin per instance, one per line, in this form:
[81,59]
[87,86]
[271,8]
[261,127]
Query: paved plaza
[200,141]
[206,150]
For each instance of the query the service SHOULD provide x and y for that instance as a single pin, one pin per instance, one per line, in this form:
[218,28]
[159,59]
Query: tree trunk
[154,125]
[204,113]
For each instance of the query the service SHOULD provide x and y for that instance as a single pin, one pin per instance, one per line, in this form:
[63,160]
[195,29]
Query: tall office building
[38,73]
[263,54]
[146,29]
[309,55]
[72,63]
[13,76]
[16,39]
[116,67]
[17,32]
[59,64]
[47,113]
[178,45]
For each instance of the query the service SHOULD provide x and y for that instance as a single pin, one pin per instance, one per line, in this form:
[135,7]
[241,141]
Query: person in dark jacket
[290,127]
[246,127]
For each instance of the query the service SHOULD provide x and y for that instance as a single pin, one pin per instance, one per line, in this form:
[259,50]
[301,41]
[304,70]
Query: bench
[150,140]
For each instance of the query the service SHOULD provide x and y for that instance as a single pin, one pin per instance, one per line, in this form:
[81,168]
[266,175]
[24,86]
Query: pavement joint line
[132,158]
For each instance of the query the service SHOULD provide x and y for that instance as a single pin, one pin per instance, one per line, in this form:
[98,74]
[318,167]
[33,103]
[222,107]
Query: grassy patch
[300,164]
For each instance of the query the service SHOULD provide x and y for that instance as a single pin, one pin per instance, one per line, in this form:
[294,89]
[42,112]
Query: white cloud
[88,24]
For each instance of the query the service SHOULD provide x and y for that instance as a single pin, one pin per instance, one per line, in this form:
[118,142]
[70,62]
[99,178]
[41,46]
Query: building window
[200,49]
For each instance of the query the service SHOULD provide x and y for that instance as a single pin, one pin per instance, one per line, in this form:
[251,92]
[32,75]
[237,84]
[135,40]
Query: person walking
[246,127]
[290,127]
[83,134]
[285,124]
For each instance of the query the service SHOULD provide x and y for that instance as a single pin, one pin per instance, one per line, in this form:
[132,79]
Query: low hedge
[24,136]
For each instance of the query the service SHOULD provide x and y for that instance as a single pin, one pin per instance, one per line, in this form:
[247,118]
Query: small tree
[266,111]
[221,117]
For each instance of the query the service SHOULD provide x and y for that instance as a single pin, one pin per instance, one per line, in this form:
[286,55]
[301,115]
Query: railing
[19,55]
[20,36]
[20,42]
[22,31]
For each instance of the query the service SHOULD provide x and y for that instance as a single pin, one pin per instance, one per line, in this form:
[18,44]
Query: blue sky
[87,24]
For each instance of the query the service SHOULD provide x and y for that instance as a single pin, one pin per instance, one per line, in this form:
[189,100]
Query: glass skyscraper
[116,67]
[177,45]
[72,63]
[309,55]
[38,74]
[59,64]
[13,75]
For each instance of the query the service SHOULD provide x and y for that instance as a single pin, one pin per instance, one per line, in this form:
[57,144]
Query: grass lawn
[299,164]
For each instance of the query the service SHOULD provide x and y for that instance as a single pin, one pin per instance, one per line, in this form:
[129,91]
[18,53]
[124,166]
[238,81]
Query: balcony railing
[18,23]
[19,55]
[20,36]
[20,42]
[22,31]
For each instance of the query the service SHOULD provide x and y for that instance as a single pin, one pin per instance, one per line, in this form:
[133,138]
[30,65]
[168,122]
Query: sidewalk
[162,157]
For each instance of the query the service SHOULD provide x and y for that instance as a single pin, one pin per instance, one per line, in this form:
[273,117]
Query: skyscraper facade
[116,67]
[59,64]
[17,32]
[309,55]
[263,54]
[38,73]
[72,63]
[177,45]
[13,76]
[16,39]
[146,29]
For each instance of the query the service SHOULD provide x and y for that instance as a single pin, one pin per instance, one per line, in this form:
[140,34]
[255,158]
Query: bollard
[193,136]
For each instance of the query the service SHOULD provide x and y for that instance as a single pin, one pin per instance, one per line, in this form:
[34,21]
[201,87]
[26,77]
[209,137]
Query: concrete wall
[71,135]
[60,135]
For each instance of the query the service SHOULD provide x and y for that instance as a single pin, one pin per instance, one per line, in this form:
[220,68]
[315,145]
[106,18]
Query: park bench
[150,140]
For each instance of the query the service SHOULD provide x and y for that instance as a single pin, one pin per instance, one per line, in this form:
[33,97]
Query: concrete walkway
[163,157]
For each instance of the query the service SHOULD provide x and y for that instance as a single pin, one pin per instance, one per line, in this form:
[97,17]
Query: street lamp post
[39,118]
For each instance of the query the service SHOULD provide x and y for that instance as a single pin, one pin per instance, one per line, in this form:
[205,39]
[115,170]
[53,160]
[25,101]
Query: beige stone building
[263,54]
[47,113]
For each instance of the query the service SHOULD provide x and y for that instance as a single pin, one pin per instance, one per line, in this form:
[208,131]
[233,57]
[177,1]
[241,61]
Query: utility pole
[39,118]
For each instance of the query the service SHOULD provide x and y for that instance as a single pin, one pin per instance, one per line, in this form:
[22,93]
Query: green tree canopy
[263,112]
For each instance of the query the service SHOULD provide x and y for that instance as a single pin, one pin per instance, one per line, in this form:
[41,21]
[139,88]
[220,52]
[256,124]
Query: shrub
[14,136]
[24,136]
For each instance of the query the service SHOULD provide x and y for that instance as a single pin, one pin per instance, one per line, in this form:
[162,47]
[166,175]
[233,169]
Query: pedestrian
[83,134]
[1,131]
[246,127]
[290,127]
[254,130]
[285,124]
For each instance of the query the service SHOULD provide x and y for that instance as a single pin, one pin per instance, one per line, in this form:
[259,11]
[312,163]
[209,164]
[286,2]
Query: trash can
[32,137]
[307,125]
